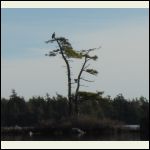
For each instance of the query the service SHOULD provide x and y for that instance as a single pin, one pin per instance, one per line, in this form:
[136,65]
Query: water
[131,127]
[113,137]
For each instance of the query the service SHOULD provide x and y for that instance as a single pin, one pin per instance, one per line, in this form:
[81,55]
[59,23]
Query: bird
[53,35]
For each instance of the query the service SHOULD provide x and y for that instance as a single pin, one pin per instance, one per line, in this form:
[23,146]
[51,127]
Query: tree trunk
[69,78]
[77,89]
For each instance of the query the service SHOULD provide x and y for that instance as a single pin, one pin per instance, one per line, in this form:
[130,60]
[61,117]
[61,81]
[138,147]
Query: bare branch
[91,71]
[56,50]
[49,41]
[86,80]
[84,53]
[88,59]
[92,49]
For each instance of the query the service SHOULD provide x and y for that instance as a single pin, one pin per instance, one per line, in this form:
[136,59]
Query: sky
[123,63]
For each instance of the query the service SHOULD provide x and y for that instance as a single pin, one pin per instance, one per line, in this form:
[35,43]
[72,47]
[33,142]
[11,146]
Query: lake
[112,137]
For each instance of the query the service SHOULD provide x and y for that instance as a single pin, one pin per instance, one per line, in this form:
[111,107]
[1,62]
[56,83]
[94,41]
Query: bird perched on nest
[53,35]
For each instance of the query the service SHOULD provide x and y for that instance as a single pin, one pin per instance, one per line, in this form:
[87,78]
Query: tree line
[44,110]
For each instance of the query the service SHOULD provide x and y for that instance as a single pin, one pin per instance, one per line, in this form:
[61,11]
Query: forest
[45,110]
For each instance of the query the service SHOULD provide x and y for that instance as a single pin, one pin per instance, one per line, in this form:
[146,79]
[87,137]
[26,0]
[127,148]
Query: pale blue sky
[123,58]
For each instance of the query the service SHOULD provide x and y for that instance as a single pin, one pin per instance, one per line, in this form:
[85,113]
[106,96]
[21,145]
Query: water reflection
[112,137]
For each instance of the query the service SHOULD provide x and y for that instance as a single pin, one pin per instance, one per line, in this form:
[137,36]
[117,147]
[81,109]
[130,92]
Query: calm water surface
[113,137]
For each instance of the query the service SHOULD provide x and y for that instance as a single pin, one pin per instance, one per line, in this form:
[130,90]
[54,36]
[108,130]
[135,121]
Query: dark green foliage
[52,110]
[4,112]
[16,110]
[67,49]
[144,120]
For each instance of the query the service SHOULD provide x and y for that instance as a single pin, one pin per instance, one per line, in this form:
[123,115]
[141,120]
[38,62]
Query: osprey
[53,35]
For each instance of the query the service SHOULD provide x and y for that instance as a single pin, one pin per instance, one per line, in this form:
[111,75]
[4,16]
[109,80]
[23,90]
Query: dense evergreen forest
[45,110]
